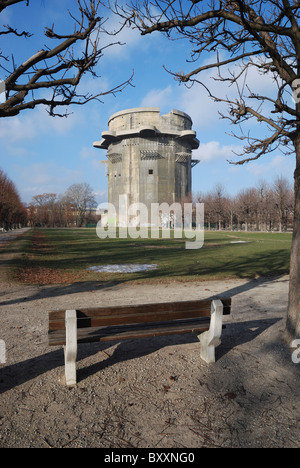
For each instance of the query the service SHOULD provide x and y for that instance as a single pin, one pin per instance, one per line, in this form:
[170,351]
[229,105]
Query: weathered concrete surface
[149,156]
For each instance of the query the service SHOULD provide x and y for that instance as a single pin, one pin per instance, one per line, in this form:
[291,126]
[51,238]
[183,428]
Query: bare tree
[219,204]
[262,193]
[56,67]
[282,200]
[65,214]
[44,209]
[246,206]
[231,211]
[81,198]
[209,212]
[12,211]
[245,35]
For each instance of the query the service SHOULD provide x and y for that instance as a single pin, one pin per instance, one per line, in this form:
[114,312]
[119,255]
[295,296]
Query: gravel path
[151,393]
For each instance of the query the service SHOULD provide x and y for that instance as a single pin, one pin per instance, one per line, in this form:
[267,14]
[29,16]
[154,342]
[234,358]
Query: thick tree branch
[58,68]
[186,77]
[6,3]
[261,35]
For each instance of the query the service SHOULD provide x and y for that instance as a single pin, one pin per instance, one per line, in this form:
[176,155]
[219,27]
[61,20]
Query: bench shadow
[233,335]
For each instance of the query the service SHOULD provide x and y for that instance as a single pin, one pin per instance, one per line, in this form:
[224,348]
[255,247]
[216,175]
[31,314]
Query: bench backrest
[133,314]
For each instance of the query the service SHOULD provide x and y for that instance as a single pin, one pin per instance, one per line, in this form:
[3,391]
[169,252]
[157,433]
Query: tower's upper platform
[148,122]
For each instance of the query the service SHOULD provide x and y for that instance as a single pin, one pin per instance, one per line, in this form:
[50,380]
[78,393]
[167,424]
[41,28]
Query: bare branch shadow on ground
[45,292]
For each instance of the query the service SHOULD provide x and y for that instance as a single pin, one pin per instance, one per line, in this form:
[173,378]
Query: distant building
[149,156]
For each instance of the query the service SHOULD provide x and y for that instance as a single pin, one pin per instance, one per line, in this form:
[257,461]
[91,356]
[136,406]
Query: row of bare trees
[13,213]
[261,208]
[73,208]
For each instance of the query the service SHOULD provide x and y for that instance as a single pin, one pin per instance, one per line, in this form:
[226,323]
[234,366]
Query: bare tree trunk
[293,318]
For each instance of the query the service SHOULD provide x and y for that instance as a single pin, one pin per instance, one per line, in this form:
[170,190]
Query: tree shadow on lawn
[264,266]
[171,256]
[17,374]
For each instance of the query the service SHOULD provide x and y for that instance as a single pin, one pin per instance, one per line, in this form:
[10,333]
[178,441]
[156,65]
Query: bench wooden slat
[130,319]
[133,308]
[116,333]
[140,308]
[116,315]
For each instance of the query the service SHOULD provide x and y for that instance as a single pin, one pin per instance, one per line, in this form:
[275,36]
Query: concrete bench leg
[211,338]
[70,349]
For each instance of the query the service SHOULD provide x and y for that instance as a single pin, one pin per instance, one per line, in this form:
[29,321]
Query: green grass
[74,250]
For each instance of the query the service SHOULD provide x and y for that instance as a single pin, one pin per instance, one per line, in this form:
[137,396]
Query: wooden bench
[116,323]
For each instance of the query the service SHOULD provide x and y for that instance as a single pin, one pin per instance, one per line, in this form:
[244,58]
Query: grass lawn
[64,255]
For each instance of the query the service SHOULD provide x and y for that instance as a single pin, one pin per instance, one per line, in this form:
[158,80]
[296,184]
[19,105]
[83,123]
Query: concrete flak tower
[149,156]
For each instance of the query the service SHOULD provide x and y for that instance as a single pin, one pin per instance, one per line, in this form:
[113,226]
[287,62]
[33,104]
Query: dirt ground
[155,392]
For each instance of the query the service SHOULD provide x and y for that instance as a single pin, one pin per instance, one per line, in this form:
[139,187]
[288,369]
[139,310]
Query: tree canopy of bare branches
[75,207]
[81,197]
[238,35]
[12,211]
[266,207]
[51,76]
[233,38]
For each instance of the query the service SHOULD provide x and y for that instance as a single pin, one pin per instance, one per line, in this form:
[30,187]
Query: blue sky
[42,154]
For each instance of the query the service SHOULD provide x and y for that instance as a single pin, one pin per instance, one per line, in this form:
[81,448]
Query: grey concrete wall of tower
[149,156]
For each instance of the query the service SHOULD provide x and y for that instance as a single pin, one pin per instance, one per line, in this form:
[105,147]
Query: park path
[152,393]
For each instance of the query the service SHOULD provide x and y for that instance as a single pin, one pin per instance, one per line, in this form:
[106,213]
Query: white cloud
[158,98]
[128,39]
[213,151]
[93,86]
[36,122]
[199,106]
[87,152]
[275,165]
[47,177]
[17,128]
[118,42]
[100,195]
[96,164]
[204,110]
